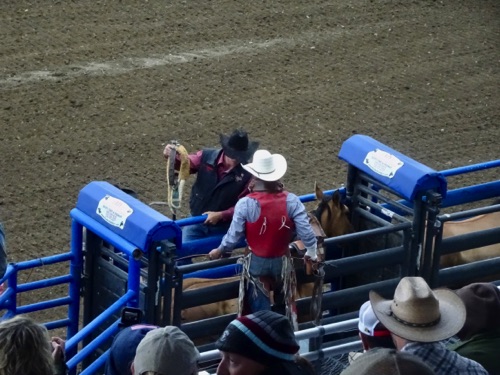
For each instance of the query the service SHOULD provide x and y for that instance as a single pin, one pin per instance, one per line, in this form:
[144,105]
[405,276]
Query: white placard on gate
[383,163]
[114,211]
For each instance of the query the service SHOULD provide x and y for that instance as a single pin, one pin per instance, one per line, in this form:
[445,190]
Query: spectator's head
[266,166]
[260,343]
[372,333]
[482,303]
[416,313]
[122,351]
[237,146]
[166,351]
[385,361]
[25,347]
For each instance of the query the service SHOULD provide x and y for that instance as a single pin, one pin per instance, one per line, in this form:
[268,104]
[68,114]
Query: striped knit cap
[264,336]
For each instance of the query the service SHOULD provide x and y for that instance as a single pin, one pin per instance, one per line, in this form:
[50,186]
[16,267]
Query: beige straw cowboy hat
[267,166]
[418,313]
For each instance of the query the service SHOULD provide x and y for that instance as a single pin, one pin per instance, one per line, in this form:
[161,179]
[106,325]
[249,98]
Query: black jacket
[209,194]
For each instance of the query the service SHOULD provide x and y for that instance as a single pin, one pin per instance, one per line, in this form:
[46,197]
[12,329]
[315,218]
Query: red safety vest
[271,234]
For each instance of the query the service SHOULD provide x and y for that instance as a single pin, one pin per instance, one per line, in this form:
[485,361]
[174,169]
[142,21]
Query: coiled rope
[176,179]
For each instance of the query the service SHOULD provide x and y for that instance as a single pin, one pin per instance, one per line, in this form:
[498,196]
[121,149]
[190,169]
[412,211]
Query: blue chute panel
[391,168]
[126,216]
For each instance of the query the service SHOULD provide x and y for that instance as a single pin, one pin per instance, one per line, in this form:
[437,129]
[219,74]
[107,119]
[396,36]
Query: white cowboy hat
[267,167]
[418,313]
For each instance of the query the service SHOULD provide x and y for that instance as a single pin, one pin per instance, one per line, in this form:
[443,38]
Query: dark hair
[25,347]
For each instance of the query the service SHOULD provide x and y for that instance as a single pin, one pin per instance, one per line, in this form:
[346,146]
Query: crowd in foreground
[401,335]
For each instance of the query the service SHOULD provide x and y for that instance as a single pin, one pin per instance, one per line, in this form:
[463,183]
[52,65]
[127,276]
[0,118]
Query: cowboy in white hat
[268,217]
[419,318]
[220,182]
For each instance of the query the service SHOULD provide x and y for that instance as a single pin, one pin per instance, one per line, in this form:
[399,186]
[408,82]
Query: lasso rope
[176,180]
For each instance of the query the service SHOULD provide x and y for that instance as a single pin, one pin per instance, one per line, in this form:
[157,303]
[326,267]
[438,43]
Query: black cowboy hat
[237,146]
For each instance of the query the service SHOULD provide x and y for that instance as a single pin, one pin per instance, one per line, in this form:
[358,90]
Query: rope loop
[176,179]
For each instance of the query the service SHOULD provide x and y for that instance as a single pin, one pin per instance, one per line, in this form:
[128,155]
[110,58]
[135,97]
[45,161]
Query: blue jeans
[198,232]
[262,267]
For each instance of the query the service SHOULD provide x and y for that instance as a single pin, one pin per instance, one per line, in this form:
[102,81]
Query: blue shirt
[248,209]
[442,360]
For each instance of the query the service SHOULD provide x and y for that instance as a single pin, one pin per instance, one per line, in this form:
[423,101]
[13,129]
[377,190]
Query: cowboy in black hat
[220,182]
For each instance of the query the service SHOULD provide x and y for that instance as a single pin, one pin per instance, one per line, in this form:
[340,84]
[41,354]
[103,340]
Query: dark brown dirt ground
[92,90]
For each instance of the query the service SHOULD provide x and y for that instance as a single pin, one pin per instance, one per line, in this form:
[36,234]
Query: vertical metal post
[76,266]
[350,183]
[430,209]
[91,252]
[418,225]
[436,256]
[152,288]
[134,276]
[434,201]
[171,277]
[411,254]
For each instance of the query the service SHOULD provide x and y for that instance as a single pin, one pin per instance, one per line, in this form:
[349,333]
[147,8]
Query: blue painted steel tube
[92,346]
[44,283]
[44,305]
[471,168]
[93,368]
[210,273]
[72,343]
[106,234]
[5,297]
[134,280]
[57,324]
[43,261]
[472,193]
[4,277]
[6,303]
[11,304]
[76,267]
[312,197]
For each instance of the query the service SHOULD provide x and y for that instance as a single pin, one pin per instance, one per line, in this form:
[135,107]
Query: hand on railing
[58,354]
